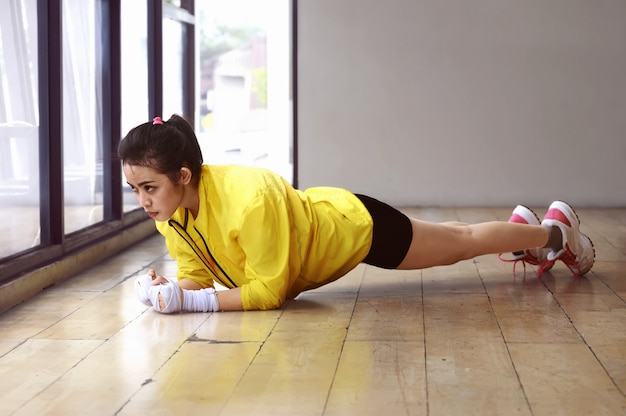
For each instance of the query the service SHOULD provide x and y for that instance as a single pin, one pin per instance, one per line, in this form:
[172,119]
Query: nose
[144,200]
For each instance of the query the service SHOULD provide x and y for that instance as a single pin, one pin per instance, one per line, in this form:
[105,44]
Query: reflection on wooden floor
[471,338]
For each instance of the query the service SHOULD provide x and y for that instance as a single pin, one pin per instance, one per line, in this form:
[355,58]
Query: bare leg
[447,243]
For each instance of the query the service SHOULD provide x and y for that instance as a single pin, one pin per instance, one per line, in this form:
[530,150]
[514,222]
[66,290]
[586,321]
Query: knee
[461,244]
[468,245]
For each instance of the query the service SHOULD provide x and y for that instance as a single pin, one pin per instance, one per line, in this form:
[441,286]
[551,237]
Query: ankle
[555,238]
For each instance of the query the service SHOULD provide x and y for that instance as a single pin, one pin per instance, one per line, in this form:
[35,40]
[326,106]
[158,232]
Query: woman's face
[156,193]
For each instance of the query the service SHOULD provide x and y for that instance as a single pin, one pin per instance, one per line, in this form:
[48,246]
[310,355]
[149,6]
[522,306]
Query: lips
[152,214]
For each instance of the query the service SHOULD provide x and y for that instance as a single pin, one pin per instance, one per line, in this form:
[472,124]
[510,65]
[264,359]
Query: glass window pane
[175,3]
[19,128]
[173,58]
[82,126]
[134,18]
[245,103]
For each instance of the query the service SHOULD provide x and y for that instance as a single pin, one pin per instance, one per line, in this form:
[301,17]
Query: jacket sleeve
[264,237]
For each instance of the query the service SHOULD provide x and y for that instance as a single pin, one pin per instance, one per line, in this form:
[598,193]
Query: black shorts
[392,234]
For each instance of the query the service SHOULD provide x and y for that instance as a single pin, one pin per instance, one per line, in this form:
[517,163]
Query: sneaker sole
[593,261]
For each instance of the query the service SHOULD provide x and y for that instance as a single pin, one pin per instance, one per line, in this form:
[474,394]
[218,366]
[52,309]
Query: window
[19,123]
[173,67]
[76,75]
[134,61]
[60,84]
[245,77]
[82,115]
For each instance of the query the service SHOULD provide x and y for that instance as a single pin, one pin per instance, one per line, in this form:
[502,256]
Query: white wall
[458,103]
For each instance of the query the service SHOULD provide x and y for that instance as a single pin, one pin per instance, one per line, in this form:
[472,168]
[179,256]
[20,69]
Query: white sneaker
[577,253]
[535,256]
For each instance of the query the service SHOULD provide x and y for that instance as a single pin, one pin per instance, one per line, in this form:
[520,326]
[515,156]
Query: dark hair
[165,148]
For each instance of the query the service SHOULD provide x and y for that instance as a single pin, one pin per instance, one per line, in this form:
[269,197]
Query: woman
[251,231]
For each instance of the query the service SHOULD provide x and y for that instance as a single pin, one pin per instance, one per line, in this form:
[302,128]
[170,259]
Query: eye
[132,188]
[149,188]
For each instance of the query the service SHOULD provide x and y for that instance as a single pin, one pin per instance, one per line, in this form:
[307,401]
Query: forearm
[230,300]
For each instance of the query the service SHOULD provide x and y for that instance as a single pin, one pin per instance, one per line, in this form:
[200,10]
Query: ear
[185,175]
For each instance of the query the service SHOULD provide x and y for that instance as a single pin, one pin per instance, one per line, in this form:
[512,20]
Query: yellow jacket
[255,231]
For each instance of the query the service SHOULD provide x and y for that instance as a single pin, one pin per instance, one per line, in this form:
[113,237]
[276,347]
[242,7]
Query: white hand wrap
[142,289]
[204,300]
[170,293]
[143,285]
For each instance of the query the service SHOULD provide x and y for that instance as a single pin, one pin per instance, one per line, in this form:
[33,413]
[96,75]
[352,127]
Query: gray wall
[459,103]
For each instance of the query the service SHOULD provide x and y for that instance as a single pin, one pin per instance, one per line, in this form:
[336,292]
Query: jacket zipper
[198,251]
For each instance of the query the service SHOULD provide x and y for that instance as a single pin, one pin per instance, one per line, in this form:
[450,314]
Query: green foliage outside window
[259,85]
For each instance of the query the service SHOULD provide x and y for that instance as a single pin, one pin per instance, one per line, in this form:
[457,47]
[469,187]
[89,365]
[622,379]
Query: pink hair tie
[157,120]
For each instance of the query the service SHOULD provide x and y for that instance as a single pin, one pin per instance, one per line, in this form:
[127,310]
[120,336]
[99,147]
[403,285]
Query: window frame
[54,243]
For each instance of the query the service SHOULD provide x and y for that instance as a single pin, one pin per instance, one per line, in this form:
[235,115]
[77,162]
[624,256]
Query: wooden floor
[466,339]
